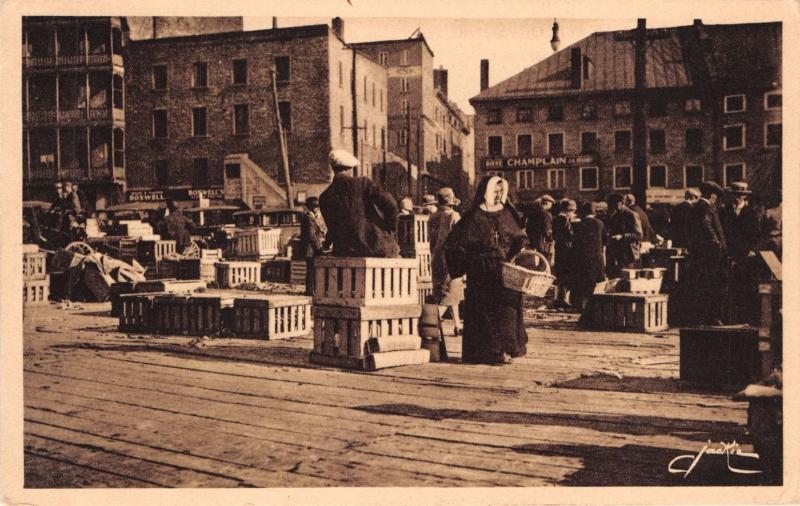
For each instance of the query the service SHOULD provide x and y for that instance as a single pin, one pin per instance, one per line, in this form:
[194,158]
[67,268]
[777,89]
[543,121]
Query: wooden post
[408,149]
[354,96]
[282,140]
[639,119]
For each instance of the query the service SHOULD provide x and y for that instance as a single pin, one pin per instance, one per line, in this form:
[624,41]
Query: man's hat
[428,200]
[691,193]
[312,202]
[709,187]
[342,158]
[548,198]
[739,188]
[447,197]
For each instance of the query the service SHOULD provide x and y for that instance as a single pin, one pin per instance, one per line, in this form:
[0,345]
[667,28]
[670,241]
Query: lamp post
[555,42]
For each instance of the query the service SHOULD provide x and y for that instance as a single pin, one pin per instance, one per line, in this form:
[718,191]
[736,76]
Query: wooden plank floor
[108,409]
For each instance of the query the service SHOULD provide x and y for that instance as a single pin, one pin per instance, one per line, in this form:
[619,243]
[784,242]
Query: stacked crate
[35,279]
[631,304]
[134,228]
[153,286]
[256,244]
[671,259]
[233,274]
[413,235]
[271,316]
[297,272]
[366,313]
[136,314]
[193,315]
[277,270]
[151,253]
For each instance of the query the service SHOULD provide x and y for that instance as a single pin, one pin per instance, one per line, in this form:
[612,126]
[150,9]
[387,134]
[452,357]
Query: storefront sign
[534,162]
[664,196]
[174,194]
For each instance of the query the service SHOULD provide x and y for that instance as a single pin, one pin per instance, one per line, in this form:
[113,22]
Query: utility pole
[408,151]
[354,119]
[640,39]
[282,140]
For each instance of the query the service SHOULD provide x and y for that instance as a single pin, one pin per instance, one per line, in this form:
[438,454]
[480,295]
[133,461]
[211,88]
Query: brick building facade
[73,106]
[196,100]
[713,108]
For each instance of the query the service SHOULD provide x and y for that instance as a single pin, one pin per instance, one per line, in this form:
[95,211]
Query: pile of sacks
[75,276]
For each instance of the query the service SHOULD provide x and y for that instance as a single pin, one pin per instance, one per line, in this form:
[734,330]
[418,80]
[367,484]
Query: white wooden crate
[34,265]
[272,316]
[358,331]
[36,291]
[257,244]
[354,282]
[413,234]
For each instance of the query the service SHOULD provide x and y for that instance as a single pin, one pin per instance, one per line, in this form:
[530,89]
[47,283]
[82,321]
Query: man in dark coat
[177,227]
[648,234]
[741,225]
[540,226]
[564,267]
[361,218]
[312,237]
[625,236]
[708,256]
[590,238]
[680,219]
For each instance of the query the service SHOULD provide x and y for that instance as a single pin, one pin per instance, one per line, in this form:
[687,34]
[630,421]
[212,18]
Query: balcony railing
[41,116]
[40,61]
[79,59]
[39,173]
[72,115]
[99,59]
[73,173]
[72,60]
[99,114]
[100,172]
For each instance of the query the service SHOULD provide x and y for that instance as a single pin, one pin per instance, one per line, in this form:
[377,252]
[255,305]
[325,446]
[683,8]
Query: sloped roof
[672,62]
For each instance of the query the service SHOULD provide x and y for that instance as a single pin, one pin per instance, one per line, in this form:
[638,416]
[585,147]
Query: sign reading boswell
[534,162]
[174,194]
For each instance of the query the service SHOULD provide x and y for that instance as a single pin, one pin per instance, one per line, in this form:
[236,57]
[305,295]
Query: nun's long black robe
[493,316]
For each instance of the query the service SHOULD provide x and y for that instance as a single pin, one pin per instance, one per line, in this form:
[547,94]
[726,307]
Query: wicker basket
[526,281]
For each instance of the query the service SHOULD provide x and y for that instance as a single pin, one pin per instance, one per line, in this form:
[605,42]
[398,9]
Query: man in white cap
[361,218]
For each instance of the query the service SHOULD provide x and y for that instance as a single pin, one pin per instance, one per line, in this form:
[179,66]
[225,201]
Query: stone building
[73,106]
[423,125]
[201,112]
[713,112]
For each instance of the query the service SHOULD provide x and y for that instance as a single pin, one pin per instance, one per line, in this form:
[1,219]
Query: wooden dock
[109,409]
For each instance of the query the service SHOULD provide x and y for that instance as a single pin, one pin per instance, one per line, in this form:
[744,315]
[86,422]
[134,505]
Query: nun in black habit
[491,232]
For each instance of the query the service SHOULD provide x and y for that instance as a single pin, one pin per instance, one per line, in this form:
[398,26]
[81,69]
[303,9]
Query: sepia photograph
[331,247]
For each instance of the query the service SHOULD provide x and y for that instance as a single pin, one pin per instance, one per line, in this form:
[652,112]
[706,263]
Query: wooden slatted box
[194,315]
[36,291]
[137,312]
[627,312]
[272,316]
[154,251]
[424,260]
[34,265]
[297,275]
[277,270]
[425,289]
[233,274]
[355,282]
[413,234]
[115,293]
[257,244]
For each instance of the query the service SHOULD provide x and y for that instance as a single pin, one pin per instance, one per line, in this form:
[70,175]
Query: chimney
[338,27]
[484,74]
[576,68]
[440,79]
[155,27]
[698,22]
[274,22]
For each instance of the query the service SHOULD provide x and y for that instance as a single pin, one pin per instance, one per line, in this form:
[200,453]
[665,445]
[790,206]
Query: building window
[119,147]
[555,144]
[495,145]
[692,176]
[733,137]
[658,107]
[240,71]
[373,94]
[623,177]
[622,141]
[160,124]
[524,115]
[694,140]
[404,57]
[589,179]
[524,145]
[118,92]
[161,172]
[622,109]
[588,142]
[693,105]
[200,75]
[282,69]
[341,74]
[555,113]
[200,173]
[159,77]
[241,119]
[285,109]
[383,138]
[494,117]
[380,99]
[556,179]
[589,111]
[383,58]
[404,84]
[341,120]
[773,101]
[525,179]
[657,176]
[402,137]
[773,133]
[365,89]
[199,125]
[735,103]
[658,141]
[734,173]
[404,106]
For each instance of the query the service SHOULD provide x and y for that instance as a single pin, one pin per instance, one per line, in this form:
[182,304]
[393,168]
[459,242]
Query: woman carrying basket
[490,233]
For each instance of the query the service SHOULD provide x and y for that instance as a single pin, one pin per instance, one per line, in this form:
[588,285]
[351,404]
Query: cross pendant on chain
[496,236]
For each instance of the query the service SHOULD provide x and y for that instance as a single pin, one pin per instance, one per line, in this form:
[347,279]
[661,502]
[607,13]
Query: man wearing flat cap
[708,255]
[540,225]
[680,219]
[312,237]
[361,218]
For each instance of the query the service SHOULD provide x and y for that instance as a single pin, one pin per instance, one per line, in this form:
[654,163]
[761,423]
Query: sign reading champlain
[535,162]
